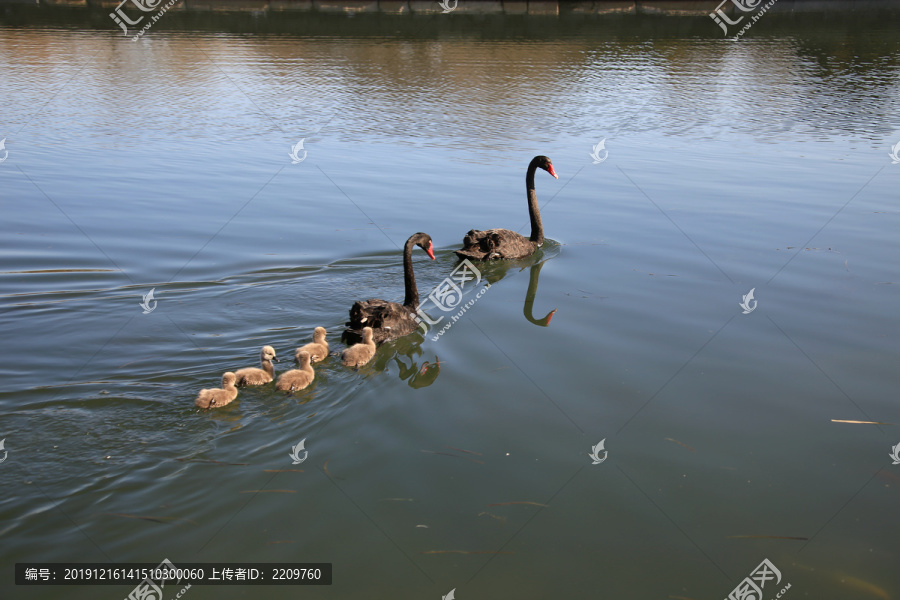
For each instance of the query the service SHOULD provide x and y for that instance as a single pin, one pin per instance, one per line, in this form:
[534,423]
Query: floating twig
[466,451]
[493,516]
[163,520]
[764,537]
[209,460]
[680,444]
[464,552]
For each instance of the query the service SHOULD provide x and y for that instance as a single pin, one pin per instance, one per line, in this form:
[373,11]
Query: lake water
[163,164]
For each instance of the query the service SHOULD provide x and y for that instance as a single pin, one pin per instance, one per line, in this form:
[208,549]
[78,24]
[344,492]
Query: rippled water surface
[459,461]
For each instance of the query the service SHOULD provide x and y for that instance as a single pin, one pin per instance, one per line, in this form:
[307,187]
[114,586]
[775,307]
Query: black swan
[503,243]
[390,320]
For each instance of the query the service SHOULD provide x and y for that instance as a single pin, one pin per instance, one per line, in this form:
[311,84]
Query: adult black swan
[390,320]
[502,243]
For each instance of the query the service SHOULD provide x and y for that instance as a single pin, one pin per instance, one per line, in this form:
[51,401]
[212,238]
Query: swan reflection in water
[406,352]
[533,276]
[494,271]
[416,373]
[419,376]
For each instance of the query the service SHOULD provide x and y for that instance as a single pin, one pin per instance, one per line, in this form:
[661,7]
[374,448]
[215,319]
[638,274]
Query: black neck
[534,275]
[411,300]
[537,229]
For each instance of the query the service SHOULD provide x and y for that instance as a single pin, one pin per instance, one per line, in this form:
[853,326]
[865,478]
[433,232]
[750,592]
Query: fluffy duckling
[359,354]
[318,350]
[215,397]
[297,379]
[254,376]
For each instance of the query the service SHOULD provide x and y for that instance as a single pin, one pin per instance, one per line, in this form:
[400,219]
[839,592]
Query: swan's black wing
[388,320]
[492,244]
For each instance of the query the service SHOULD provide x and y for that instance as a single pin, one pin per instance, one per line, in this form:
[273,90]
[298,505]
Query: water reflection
[494,271]
[831,74]
[533,276]
[419,376]
[405,352]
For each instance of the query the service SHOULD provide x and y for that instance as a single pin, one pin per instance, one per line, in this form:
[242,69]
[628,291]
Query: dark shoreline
[476,7]
[611,19]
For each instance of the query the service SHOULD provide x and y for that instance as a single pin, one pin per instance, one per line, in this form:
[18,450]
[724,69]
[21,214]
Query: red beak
[430,251]
[551,171]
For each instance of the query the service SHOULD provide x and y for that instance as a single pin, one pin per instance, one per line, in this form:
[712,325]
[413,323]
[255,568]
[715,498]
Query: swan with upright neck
[359,354]
[491,244]
[297,379]
[390,320]
[256,376]
[318,349]
[216,397]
